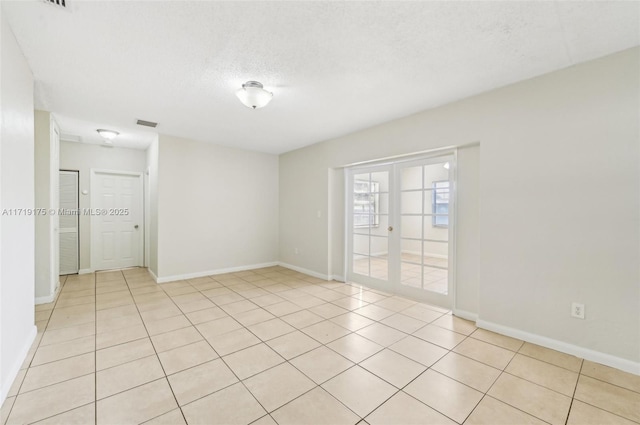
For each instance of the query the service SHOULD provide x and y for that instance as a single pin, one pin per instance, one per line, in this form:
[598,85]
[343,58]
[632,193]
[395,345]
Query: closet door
[69,222]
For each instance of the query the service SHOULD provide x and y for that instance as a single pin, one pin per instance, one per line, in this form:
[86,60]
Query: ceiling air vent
[61,3]
[147,123]
[70,138]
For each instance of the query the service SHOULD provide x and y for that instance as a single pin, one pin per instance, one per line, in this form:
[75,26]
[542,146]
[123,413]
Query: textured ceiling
[334,67]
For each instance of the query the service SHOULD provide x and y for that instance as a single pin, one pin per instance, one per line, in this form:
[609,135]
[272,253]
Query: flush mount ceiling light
[107,135]
[253,95]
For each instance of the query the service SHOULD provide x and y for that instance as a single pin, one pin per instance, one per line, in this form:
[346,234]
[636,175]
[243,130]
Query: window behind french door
[370,223]
[401,220]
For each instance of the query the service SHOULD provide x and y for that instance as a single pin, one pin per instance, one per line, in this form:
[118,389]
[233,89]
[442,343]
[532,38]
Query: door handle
[135,227]
[390,228]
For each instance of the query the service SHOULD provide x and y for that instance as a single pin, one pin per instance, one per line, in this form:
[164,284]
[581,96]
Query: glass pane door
[425,215]
[400,222]
[369,221]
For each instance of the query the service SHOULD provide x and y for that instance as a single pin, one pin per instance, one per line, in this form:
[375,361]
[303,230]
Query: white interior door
[116,209]
[69,222]
[400,227]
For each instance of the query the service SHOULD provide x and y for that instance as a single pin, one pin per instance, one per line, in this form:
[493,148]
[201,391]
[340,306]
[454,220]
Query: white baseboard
[49,298]
[85,271]
[338,278]
[5,385]
[305,271]
[173,278]
[418,253]
[153,275]
[564,347]
[45,300]
[467,315]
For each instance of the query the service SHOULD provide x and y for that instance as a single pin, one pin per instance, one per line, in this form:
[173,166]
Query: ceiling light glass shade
[107,135]
[253,95]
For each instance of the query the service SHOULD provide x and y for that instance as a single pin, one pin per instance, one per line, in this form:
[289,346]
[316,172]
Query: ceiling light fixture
[253,95]
[107,135]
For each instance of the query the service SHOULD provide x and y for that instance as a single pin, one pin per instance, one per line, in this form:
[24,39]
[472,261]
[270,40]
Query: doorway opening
[401,227]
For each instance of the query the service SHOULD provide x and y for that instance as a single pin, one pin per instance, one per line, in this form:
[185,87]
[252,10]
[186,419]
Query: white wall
[152,166]
[542,141]
[303,206]
[43,200]
[544,243]
[17,252]
[83,157]
[468,229]
[217,208]
[46,148]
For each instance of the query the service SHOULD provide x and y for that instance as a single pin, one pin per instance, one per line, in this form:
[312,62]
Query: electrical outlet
[577,310]
[296,251]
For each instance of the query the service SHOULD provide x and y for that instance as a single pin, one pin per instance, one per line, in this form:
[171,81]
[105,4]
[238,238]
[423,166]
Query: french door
[400,227]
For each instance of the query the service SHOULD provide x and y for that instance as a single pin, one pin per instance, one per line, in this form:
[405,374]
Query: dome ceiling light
[107,135]
[253,95]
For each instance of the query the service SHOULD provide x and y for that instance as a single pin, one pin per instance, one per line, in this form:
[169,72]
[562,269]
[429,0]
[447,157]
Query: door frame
[54,204]
[94,222]
[394,220]
[147,216]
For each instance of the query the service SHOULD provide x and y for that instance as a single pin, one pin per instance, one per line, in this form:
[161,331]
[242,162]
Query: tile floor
[276,346]
[426,272]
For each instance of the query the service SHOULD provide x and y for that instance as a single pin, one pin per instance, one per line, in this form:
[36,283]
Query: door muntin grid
[424,218]
[370,221]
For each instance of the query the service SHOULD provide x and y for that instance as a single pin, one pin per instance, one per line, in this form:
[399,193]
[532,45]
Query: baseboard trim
[45,300]
[153,275]
[427,254]
[564,347]
[305,271]
[467,315]
[49,298]
[173,278]
[338,278]
[15,368]
[85,271]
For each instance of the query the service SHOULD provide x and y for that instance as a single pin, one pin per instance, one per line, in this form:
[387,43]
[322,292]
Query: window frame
[373,191]
[434,203]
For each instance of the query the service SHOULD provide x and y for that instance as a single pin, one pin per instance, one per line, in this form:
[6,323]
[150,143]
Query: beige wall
[152,225]
[83,157]
[217,208]
[468,229]
[17,232]
[541,142]
[43,200]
